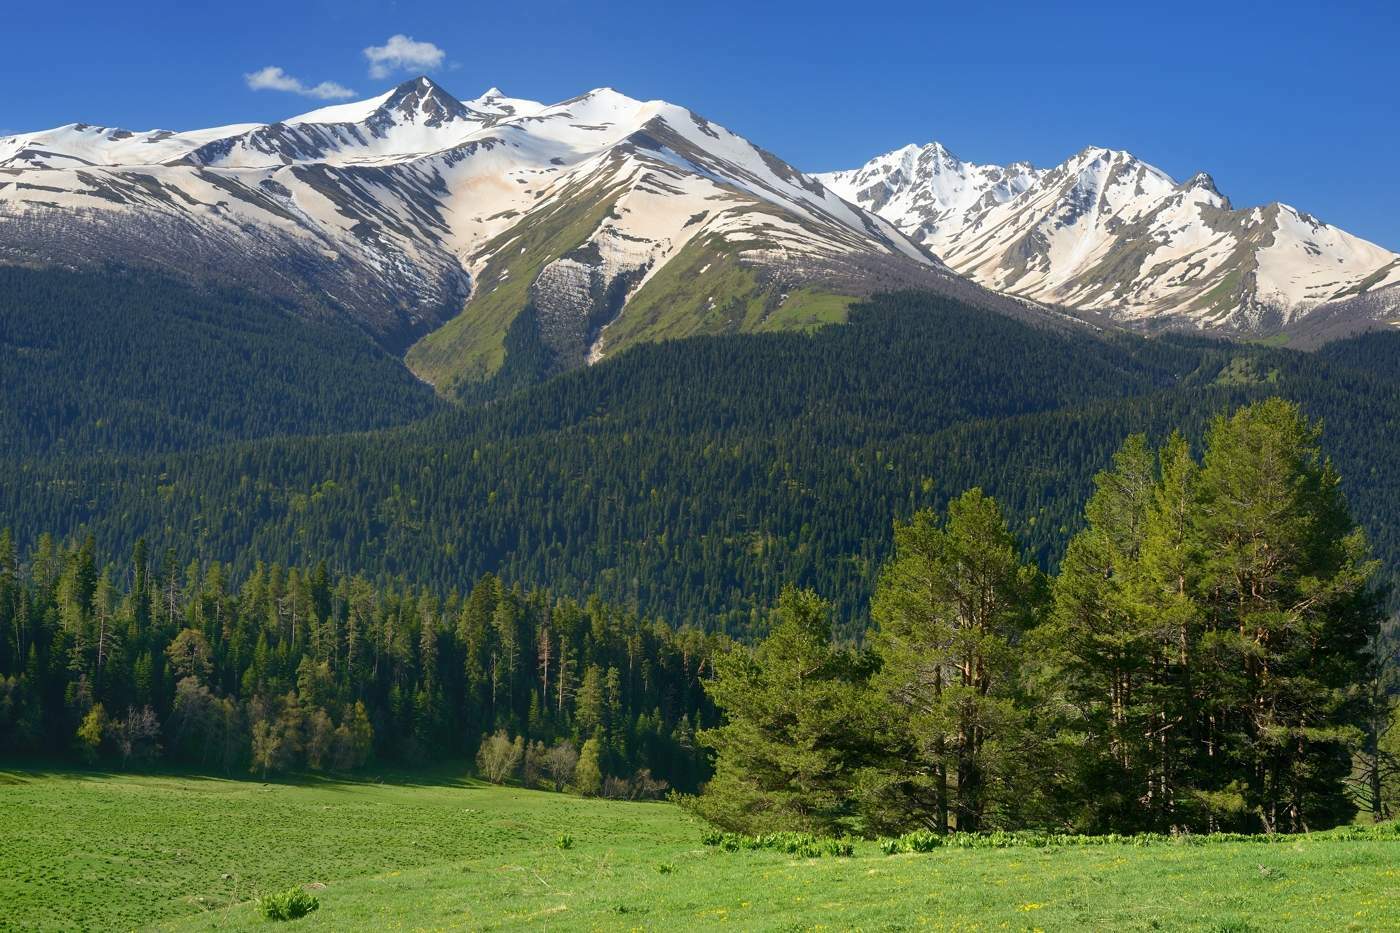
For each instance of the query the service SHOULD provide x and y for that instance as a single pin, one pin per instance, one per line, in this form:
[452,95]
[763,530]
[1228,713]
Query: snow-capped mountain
[1108,232]
[583,226]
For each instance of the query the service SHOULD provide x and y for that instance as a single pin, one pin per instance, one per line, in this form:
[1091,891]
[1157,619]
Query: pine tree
[798,726]
[1290,616]
[949,610]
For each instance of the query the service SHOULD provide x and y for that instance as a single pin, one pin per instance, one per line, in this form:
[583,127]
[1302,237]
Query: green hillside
[107,851]
[127,362]
[692,479]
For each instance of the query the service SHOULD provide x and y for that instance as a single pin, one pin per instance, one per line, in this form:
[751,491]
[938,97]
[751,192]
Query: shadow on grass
[444,775]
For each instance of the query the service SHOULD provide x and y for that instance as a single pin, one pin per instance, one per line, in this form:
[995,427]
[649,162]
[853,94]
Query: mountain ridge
[497,240]
[1106,231]
[426,219]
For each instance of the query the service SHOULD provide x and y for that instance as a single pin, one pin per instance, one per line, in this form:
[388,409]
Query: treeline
[1205,660]
[302,669]
[694,479]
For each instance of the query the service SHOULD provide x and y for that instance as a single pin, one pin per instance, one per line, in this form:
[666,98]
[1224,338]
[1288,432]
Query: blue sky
[1290,101]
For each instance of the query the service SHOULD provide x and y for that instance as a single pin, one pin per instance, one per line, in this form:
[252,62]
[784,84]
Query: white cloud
[273,78]
[402,53]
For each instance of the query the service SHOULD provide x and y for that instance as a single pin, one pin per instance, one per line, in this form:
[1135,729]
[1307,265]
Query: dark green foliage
[299,669]
[1212,631]
[1206,664]
[131,362]
[797,725]
[287,905]
[1377,352]
[950,610]
[694,479]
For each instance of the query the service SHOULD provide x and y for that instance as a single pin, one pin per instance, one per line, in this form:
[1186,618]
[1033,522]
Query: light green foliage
[705,289]
[803,845]
[922,840]
[588,773]
[471,346]
[499,759]
[288,905]
[91,731]
[122,852]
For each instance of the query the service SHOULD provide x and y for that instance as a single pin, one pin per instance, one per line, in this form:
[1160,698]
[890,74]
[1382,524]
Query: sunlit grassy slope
[107,852]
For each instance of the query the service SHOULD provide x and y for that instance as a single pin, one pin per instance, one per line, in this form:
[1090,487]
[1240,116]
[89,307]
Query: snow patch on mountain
[1108,232]
[429,198]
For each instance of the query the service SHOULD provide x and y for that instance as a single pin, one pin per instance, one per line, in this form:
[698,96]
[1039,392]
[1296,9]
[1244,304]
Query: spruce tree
[798,726]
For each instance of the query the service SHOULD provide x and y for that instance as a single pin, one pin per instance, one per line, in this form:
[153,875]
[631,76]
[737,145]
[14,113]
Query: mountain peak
[416,90]
[1203,183]
[941,151]
[1092,153]
[420,100]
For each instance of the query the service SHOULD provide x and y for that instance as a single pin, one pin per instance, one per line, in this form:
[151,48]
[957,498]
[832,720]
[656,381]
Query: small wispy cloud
[402,53]
[273,78]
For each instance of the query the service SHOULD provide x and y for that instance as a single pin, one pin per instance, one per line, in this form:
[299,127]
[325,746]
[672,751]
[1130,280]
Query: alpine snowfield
[496,241]
[400,210]
[1106,231]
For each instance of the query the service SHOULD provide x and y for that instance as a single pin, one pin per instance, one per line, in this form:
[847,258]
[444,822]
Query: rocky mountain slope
[1108,232]
[564,231]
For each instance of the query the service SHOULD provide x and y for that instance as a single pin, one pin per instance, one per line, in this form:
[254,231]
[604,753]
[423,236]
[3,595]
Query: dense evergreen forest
[693,480]
[127,661]
[127,362]
[1207,659]
[1377,352]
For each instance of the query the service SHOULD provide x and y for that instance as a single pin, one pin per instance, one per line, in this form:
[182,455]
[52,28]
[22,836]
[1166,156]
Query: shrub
[560,762]
[920,840]
[565,841]
[615,788]
[838,848]
[498,757]
[804,845]
[288,905]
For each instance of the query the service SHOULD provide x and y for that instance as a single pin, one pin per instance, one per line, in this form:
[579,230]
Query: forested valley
[295,571]
[693,480]
[1209,656]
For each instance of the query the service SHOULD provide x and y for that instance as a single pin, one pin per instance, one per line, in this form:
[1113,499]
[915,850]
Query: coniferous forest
[977,574]
[692,480]
[1203,662]
[144,659]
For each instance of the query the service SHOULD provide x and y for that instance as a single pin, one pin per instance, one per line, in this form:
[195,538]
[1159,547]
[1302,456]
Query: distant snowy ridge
[589,225]
[1108,232]
[400,209]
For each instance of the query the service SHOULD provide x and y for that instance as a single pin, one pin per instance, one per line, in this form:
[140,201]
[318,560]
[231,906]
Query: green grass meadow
[82,851]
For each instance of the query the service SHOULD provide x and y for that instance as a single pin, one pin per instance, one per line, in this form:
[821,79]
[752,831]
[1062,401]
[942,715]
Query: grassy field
[108,852]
